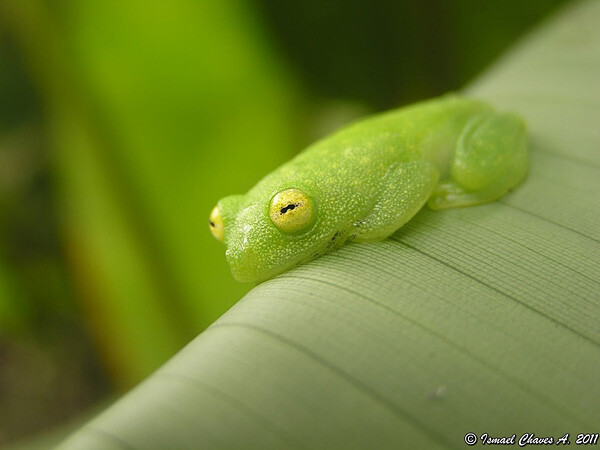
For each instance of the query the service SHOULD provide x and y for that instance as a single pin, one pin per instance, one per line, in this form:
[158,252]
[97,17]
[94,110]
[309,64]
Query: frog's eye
[215,223]
[291,210]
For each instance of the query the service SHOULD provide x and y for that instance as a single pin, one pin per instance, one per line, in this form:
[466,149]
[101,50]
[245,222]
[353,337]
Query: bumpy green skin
[368,179]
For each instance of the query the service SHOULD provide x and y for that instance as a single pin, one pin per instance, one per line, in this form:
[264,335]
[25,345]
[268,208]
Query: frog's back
[397,135]
[478,153]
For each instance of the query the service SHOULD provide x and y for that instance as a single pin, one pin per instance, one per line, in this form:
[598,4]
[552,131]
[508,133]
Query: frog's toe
[451,195]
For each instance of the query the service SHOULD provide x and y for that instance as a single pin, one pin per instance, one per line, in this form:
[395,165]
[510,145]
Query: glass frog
[369,178]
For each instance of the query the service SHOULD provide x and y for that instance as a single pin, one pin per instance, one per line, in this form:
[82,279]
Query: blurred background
[123,122]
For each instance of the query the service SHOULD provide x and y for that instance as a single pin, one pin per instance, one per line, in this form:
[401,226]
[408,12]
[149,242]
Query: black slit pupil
[289,207]
[211,223]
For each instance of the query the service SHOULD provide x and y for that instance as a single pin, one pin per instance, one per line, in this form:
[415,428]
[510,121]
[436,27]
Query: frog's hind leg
[402,193]
[490,159]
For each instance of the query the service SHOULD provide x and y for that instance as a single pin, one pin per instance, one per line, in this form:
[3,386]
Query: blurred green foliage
[386,53]
[122,123]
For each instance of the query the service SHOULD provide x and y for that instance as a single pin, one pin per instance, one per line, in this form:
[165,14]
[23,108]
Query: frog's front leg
[403,191]
[490,158]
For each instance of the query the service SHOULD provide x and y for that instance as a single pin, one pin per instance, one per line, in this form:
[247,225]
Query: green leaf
[483,319]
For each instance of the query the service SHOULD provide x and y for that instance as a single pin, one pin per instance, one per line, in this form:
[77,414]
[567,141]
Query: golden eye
[215,223]
[291,210]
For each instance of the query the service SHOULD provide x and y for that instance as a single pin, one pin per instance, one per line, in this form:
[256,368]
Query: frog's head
[267,232]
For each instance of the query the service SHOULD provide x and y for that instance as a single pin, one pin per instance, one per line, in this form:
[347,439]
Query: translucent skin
[368,179]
